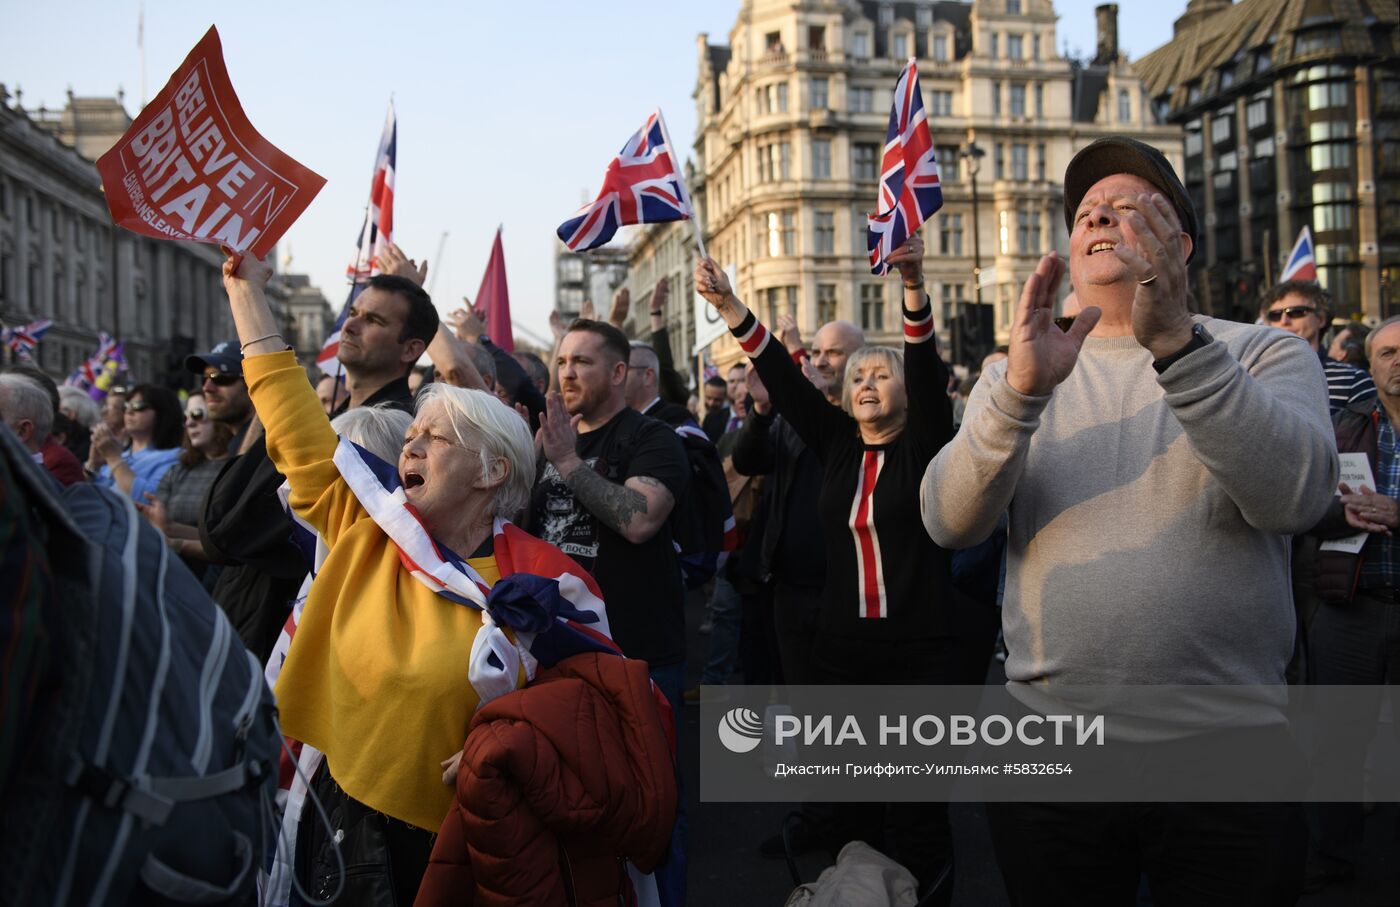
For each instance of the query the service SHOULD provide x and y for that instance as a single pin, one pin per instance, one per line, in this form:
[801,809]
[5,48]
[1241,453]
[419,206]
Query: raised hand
[621,304]
[761,404]
[558,435]
[241,270]
[788,333]
[817,379]
[393,261]
[1155,251]
[1041,355]
[659,295]
[587,311]
[466,324]
[558,324]
[909,259]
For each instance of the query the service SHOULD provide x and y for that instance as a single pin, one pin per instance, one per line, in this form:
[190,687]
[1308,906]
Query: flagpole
[680,179]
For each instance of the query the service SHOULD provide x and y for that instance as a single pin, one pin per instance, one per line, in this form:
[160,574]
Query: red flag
[192,167]
[493,299]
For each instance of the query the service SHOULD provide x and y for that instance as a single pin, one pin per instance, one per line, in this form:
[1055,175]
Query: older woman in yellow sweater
[393,651]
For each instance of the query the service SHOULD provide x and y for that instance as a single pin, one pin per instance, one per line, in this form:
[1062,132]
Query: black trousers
[1356,643]
[918,836]
[795,610]
[1193,854]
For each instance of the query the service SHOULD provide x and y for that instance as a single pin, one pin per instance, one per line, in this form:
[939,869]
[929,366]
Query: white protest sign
[709,326]
[1356,471]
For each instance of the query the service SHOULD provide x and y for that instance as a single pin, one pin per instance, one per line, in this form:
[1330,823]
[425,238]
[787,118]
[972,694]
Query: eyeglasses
[140,406]
[196,415]
[218,379]
[1294,312]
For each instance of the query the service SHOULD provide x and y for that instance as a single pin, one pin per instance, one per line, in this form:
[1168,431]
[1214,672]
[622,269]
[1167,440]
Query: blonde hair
[892,358]
[481,416]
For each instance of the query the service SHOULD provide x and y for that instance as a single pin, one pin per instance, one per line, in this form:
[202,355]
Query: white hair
[378,429]
[24,398]
[479,417]
[85,410]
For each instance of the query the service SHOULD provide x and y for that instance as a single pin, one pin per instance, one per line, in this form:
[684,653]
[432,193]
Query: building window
[1222,127]
[1028,231]
[886,15]
[947,157]
[1039,101]
[819,94]
[900,44]
[1020,162]
[996,99]
[995,47]
[862,99]
[1329,129]
[941,103]
[1264,148]
[1015,47]
[824,234]
[1332,217]
[940,48]
[816,37]
[1331,156]
[1227,77]
[773,41]
[774,162]
[1125,106]
[1035,47]
[773,98]
[1256,113]
[821,159]
[999,161]
[4,196]
[872,307]
[1013,7]
[1317,40]
[1040,161]
[1018,99]
[864,157]
[1327,95]
[826,302]
[860,45]
[782,233]
[923,17]
[954,294]
[781,301]
[950,235]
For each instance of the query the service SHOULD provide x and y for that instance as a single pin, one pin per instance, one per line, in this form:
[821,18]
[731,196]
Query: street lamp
[973,155]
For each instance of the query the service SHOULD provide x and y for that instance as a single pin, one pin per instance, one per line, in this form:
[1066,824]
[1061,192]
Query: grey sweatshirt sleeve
[971,481]
[1259,424]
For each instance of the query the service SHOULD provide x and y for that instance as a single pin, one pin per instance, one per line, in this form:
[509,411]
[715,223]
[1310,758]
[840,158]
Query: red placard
[192,167]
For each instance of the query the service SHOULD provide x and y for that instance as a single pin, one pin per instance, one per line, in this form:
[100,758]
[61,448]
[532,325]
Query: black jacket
[768,445]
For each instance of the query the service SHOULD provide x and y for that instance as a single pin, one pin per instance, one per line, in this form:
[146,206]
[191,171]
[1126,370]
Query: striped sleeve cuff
[918,325]
[752,335]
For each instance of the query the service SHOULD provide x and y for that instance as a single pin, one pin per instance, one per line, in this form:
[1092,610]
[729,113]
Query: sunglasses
[219,379]
[195,415]
[1294,312]
[139,406]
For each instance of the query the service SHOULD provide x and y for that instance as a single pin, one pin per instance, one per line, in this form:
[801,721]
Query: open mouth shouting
[412,479]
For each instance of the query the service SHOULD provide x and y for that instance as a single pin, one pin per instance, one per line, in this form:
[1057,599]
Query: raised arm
[925,374]
[792,395]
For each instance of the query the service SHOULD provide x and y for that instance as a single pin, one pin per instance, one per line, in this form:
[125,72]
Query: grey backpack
[153,777]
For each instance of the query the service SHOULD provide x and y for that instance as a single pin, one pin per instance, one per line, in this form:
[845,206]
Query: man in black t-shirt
[610,480]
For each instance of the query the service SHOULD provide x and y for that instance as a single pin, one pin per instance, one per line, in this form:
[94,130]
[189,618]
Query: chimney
[1106,17]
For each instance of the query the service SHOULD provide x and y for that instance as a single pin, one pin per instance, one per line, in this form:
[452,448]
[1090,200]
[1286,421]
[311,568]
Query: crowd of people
[388,542]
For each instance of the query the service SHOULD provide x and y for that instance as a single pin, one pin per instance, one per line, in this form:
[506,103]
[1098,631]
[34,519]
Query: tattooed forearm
[616,505]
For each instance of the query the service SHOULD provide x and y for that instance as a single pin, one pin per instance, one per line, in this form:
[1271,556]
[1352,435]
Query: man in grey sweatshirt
[1153,464]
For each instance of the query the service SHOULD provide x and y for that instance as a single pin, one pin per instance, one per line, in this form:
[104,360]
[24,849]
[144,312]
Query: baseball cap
[1120,154]
[227,357]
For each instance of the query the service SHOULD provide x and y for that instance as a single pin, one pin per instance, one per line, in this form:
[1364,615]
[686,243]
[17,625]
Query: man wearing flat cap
[1148,527]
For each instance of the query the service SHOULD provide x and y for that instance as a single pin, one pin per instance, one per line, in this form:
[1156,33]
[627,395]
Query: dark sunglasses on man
[1294,312]
[219,379]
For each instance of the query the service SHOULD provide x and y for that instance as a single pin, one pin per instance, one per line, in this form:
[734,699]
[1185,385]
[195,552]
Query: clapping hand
[1154,250]
[1369,511]
[558,435]
[1041,355]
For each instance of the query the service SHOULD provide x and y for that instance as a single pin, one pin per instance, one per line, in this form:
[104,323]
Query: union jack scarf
[551,603]
[909,189]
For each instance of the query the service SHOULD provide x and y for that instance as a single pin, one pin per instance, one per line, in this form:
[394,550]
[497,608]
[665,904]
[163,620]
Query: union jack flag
[376,231]
[909,187]
[643,185]
[87,375]
[1301,264]
[25,338]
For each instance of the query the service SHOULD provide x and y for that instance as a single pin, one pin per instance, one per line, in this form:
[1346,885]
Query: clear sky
[508,112]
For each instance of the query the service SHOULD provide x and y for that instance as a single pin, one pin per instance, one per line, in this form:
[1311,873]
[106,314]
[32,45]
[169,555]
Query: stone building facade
[792,116]
[1292,116]
[62,258]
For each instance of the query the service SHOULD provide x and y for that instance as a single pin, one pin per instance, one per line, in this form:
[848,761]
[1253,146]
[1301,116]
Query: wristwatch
[1199,338]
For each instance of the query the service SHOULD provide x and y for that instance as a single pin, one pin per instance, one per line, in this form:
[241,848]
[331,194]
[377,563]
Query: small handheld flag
[1301,265]
[909,188]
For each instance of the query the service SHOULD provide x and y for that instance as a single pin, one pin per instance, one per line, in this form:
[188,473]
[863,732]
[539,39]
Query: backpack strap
[186,889]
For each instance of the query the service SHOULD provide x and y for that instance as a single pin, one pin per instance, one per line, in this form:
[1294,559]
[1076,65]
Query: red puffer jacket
[559,782]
